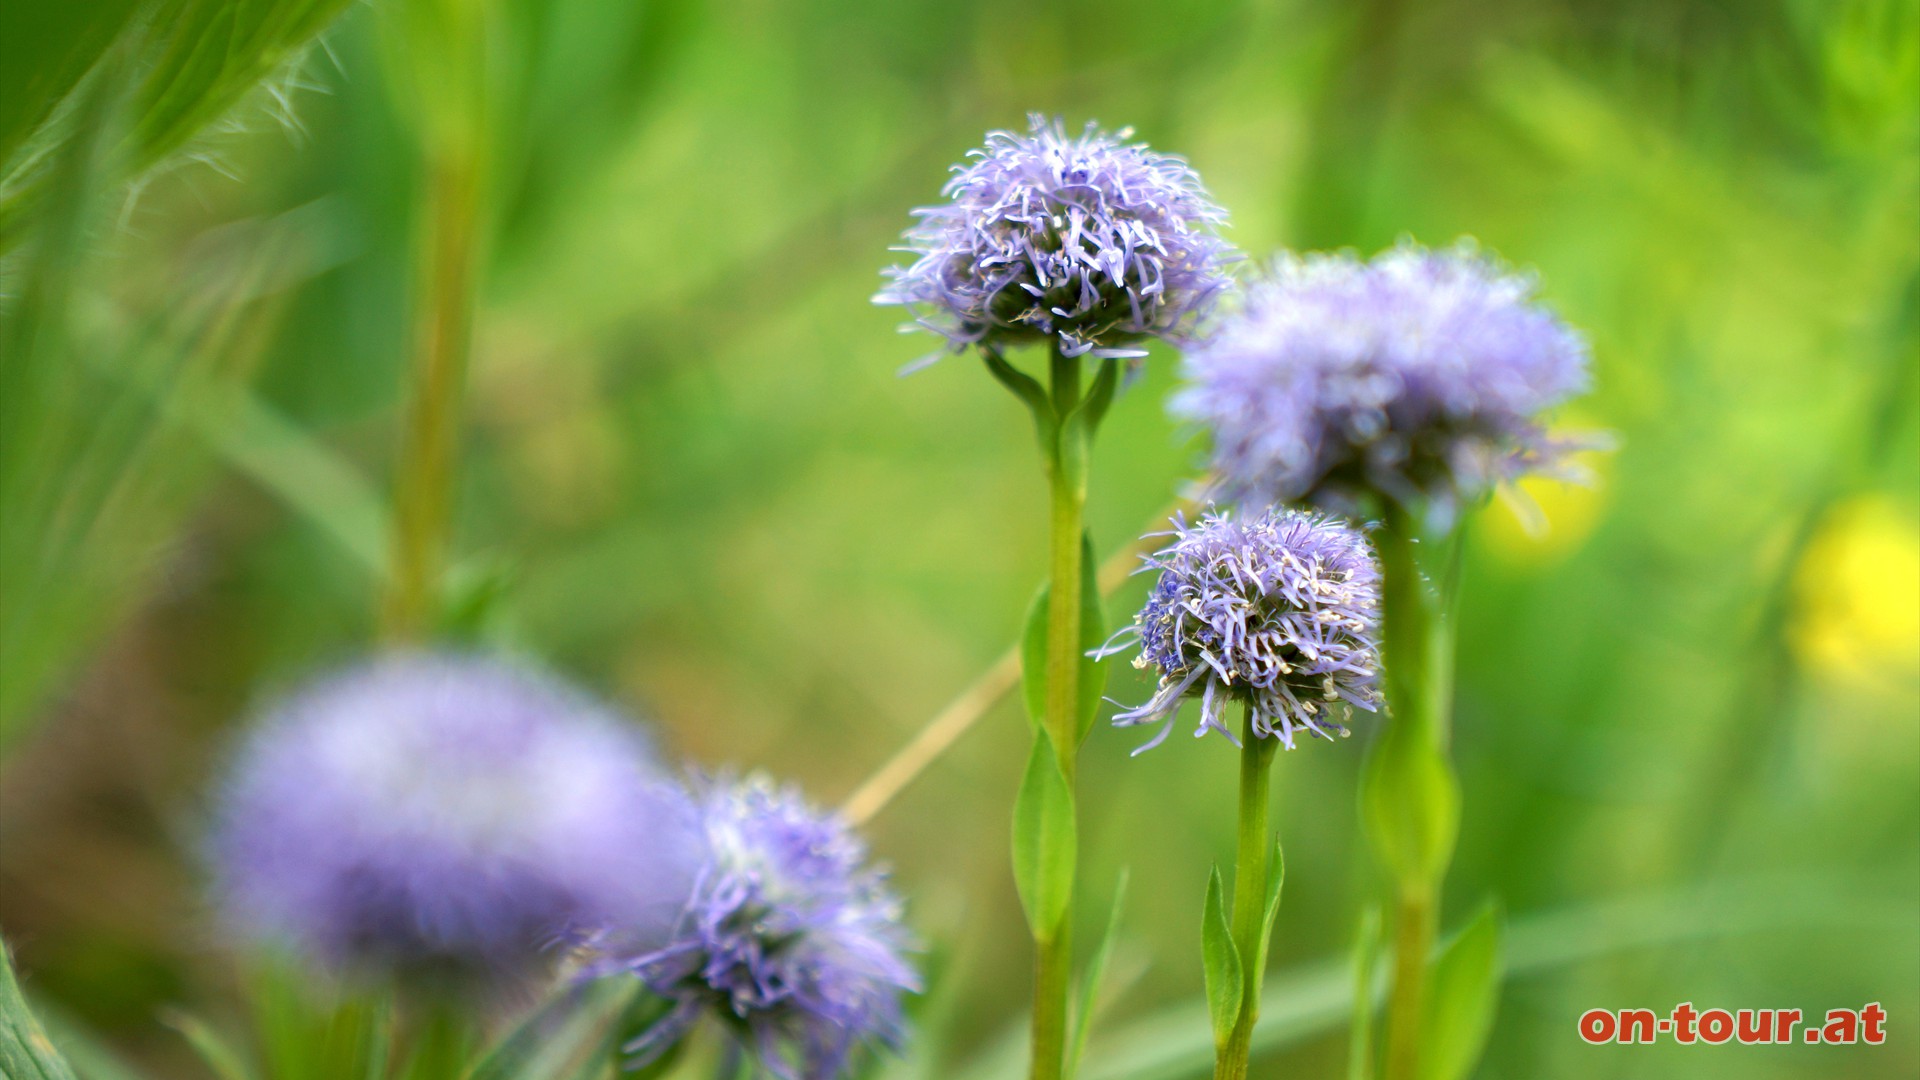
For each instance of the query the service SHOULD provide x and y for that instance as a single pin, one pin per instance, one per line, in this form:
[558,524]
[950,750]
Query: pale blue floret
[451,817]
[1279,611]
[791,941]
[1092,242]
[1417,378]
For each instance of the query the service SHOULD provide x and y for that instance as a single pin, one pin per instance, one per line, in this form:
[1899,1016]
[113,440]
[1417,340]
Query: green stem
[1418,686]
[1067,491]
[423,488]
[1407,1008]
[1249,893]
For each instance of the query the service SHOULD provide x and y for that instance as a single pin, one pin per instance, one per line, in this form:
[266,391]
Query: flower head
[1418,377]
[1278,611]
[449,817]
[1093,242]
[790,940]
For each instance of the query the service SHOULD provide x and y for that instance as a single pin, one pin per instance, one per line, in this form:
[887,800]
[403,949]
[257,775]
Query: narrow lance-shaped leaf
[1463,998]
[1276,877]
[1044,840]
[1225,988]
[1033,648]
[1090,979]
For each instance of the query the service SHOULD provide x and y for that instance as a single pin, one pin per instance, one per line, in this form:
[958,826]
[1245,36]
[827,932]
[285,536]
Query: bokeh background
[1689,712]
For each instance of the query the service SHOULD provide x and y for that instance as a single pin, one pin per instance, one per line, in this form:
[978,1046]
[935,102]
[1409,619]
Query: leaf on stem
[1033,648]
[1044,840]
[1463,998]
[1225,985]
[1410,802]
[1090,979]
[1027,389]
[1276,877]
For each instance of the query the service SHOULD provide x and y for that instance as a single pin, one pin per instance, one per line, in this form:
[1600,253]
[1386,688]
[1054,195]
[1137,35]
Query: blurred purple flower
[450,817]
[790,941]
[1417,377]
[1092,241]
[1280,612]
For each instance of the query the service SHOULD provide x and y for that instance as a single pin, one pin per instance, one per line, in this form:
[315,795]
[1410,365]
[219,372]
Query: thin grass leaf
[220,1055]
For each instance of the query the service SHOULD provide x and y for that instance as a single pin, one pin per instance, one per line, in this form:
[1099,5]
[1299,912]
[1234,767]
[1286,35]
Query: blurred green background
[1689,714]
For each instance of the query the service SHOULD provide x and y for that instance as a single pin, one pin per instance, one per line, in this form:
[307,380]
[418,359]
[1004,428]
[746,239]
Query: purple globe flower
[790,940]
[1418,377]
[449,819]
[1280,612]
[1093,242]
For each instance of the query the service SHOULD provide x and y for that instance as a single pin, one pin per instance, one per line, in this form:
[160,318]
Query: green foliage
[1045,840]
[1276,878]
[1410,802]
[1090,979]
[1033,647]
[25,1051]
[1226,985]
[184,65]
[1462,998]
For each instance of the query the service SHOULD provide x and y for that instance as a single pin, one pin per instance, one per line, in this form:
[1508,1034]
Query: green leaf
[1276,877]
[25,1051]
[1033,659]
[226,1060]
[1093,633]
[1410,803]
[1044,841]
[1225,978]
[1090,979]
[1100,395]
[1463,998]
[1366,947]
[1030,392]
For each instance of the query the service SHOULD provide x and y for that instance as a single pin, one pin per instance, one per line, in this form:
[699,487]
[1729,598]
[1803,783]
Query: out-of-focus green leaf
[1366,947]
[1410,802]
[1462,998]
[1225,980]
[25,1051]
[1044,840]
[227,1061]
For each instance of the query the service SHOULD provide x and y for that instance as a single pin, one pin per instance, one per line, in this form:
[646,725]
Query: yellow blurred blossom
[1858,592]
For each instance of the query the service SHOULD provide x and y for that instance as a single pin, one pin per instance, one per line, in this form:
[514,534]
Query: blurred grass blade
[1366,956]
[195,61]
[25,1051]
[221,1056]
